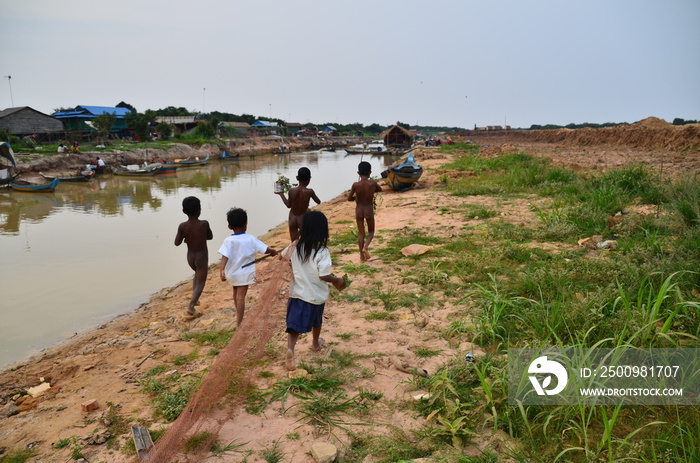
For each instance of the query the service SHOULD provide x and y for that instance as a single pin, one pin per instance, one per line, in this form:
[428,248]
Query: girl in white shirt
[311,268]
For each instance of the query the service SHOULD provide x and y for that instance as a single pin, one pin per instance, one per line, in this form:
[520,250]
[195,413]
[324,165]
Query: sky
[455,63]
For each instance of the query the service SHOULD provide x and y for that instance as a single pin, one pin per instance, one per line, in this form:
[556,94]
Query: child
[363,193]
[311,267]
[236,251]
[195,233]
[298,202]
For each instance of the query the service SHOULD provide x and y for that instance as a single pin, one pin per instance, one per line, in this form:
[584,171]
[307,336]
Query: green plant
[17,456]
[216,338]
[196,442]
[219,450]
[272,454]
[326,410]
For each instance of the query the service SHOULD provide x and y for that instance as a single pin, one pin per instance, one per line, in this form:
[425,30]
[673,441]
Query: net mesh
[232,368]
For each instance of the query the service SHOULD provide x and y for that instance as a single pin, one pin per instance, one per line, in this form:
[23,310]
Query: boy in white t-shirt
[236,251]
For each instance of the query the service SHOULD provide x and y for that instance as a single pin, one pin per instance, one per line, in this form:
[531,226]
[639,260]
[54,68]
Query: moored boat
[7,173]
[25,186]
[189,162]
[133,170]
[404,175]
[83,176]
[376,147]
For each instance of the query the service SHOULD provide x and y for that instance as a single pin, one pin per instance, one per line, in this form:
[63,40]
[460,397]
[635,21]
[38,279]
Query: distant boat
[225,156]
[134,170]
[25,186]
[403,176]
[375,147]
[83,176]
[189,162]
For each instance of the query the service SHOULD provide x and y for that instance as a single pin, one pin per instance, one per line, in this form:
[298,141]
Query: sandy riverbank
[107,363]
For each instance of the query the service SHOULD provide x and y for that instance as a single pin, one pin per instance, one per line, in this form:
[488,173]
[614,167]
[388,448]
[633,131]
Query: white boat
[374,147]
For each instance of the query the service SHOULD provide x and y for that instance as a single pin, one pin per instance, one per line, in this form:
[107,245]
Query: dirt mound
[653,123]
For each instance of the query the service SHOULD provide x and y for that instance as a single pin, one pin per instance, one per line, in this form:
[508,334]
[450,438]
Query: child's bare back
[298,202]
[362,193]
[195,233]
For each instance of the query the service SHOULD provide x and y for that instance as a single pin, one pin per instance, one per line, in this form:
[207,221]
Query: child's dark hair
[191,205]
[304,174]
[236,217]
[313,235]
[364,168]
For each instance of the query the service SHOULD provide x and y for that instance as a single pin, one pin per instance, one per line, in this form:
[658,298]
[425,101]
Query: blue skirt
[303,316]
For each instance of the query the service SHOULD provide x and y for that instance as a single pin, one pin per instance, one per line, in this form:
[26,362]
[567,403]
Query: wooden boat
[226,156]
[189,162]
[7,173]
[166,169]
[25,186]
[83,176]
[376,147]
[404,175]
[134,170]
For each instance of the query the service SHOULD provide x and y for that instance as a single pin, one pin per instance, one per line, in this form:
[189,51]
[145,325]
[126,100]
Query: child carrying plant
[298,202]
[238,258]
[311,269]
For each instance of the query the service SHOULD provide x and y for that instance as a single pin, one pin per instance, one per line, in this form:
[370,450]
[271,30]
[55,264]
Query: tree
[140,123]
[165,130]
[103,126]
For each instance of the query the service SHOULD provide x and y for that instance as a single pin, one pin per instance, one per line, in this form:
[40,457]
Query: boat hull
[28,187]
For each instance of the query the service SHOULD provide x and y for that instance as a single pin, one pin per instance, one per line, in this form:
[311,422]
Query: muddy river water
[76,258]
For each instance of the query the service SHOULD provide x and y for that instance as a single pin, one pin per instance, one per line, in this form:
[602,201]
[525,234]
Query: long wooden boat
[135,171]
[25,186]
[404,175]
[83,176]
[189,162]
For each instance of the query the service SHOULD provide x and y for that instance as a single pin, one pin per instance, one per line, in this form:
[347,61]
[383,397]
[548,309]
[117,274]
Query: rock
[89,405]
[9,410]
[298,373]
[324,452]
[36,391]
[29,403]
[423,396]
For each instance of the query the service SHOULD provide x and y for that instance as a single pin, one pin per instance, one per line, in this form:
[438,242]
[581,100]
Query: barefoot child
[311,267]
[362,193]
[298,202]
[236,251]
[195,233]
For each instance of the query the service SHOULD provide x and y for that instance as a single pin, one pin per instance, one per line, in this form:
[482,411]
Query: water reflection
[80,256]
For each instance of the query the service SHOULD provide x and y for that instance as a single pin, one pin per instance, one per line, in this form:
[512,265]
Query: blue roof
[92,111]
[97,110]
[264,124]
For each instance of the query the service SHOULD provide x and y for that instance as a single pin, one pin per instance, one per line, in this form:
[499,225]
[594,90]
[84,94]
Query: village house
[25,121]
[78,120]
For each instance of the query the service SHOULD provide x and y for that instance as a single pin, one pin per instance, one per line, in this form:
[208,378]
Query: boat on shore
[189,162]
[375,147]
[134,170]
[404,175]
[7,173]
[83,176]
[30,187]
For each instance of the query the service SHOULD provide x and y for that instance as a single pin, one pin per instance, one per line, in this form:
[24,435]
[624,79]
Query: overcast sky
[438,62]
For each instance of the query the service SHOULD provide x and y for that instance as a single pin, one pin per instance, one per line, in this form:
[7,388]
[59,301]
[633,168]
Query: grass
[169,394]
[17,456]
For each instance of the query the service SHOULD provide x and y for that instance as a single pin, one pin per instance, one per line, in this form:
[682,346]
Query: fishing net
[232,370]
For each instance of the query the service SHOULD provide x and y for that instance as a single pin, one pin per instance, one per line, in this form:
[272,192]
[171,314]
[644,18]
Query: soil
[105,364]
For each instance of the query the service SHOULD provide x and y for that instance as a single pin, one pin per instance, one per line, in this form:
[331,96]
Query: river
[77,258]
